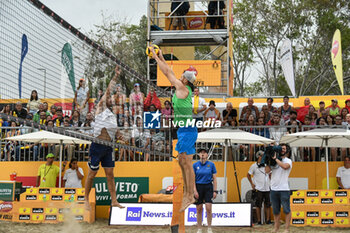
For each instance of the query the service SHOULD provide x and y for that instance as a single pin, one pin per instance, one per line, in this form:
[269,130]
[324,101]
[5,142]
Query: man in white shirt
[199,105]
[280,192]
[261,185]
[343,174]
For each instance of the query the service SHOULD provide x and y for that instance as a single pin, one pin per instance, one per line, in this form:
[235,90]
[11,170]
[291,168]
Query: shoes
[259,224]
[209,230]
[199,231]
[269,222]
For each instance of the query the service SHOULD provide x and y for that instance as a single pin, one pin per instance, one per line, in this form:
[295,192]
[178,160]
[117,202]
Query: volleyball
[148,50]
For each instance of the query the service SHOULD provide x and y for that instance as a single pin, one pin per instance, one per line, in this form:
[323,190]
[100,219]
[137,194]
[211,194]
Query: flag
[286,60]
[67,62]
[337,59]
[24,52]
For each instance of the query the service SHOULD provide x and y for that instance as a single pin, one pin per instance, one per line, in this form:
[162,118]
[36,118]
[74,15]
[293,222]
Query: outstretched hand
[155,55]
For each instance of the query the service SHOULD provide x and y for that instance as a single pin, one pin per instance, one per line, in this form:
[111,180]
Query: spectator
[343,174]
[33,104]
[285,109]
[205,190]
[267,114]
[50,124]
[152,108]
[19,111]
[312,110]
[73,176]
[75,121]
[263,116]
[180,8]
[152,99]
[304,110]
[329,120]
[46,107]
[344,112]
[253,108]
[261,186]
[264,132]
[87,123]
[333,109]
[167,112]
[81,99]
[278,131]
[119,101]
[7,109]
[347,104]
[53,111]
[270,107]
[229,115]
[308,150]
[212,113]
[199,105]
[293,117]
[347,121]
[280,191]
[321,108]
[41,109]
[124,137]
[47,173]
[322,121]
[136,101]
[313,119]
[216,8]
[12,149]
[338,120]
[43,118]
[59,118]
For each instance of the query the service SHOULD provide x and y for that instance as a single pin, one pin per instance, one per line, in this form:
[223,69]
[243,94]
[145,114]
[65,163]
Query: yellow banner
[209,72]
[336,54]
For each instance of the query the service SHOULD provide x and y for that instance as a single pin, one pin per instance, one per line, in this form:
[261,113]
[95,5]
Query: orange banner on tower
[209,72]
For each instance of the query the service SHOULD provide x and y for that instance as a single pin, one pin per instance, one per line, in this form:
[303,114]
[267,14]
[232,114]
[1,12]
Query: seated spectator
[33,104]
[312,110]
[199,105]
[167,112]
[12,148]
[41,109]
[343,174]
[46,107]
[75,121]
[347,122]
[212,113]
[247,114]
[73,176]
[293,117]
[329,120]
[321,108]
[338,120]
[50,124]
[285,109]
[263,116]
[251,122]
[344,112]
[179,8]
[333,109]
[216,8]
[66,123]
[152,108]
[59,118]
[270,107]
[124,137]
[48,173]
[263,131]
[87,123]
[304,110]
[136,101]
[7,109]
[313,119]
[43,118]
[152,99]
[253,108]
[279,130]
[308,122]
[347,104]
[267,114]
[119,99]
[53,109]
[229,115]
[19,111]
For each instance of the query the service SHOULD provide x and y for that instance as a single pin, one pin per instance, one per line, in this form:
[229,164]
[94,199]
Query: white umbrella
[339,138]
[228,136]
[49,137]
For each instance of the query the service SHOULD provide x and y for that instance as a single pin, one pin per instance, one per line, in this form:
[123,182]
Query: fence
[136,144]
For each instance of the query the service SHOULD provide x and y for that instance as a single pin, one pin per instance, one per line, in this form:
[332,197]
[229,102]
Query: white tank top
[105,119]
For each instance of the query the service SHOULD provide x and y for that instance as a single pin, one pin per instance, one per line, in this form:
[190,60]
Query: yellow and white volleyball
[148,50]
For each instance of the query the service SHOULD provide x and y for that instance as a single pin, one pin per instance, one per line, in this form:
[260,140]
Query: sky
[84,14]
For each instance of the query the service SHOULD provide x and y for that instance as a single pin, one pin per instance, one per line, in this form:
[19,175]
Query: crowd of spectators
[267,120]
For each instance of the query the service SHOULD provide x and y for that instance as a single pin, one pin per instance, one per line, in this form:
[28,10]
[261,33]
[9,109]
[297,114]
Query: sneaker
[199,231]
[209,230]
[269,222]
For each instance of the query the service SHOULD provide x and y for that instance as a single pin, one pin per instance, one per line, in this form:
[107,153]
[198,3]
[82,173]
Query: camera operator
[261,185]
[280,192]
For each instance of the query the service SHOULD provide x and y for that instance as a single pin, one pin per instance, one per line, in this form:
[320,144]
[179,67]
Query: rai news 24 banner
[225,214]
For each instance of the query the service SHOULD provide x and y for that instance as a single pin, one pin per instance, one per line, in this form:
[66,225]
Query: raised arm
[165,68]
[110,86]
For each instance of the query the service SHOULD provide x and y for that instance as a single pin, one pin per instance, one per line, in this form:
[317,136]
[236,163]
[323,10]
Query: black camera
[269,153]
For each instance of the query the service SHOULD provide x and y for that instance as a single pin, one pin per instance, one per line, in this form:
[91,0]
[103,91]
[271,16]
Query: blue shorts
[186,140]
[100,153]
[279,198]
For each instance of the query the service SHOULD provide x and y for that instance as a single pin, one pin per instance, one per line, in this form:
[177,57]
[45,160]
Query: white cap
[190,76]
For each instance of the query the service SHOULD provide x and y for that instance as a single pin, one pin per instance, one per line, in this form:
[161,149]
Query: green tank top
[333,112]
[182,108]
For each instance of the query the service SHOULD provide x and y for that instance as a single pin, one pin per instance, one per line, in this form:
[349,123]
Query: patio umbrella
[49,137]
[339,138]
[229,136]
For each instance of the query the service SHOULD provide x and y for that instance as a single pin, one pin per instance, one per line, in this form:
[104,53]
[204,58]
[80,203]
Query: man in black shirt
[229,115]
[19,111]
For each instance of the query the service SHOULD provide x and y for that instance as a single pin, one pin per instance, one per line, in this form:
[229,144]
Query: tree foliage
[261,25]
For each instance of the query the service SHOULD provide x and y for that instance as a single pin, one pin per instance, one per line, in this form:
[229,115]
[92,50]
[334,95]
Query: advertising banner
[6,191]
[128,189]
[6,211]
[225,214]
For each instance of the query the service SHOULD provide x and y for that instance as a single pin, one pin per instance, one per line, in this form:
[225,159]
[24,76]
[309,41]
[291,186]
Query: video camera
[269,153]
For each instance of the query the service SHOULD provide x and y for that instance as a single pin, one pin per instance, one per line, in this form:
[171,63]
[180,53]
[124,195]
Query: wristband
[216,191]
